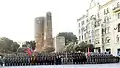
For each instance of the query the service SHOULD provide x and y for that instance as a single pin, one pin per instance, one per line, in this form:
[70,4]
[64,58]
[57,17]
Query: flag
[28,50]
[88,51]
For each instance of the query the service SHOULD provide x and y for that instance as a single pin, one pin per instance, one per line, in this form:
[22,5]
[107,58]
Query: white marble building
[101,27]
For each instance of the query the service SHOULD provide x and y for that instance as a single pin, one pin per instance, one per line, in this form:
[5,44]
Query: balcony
[116,9]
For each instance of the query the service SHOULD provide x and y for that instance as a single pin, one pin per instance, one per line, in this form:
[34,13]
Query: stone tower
[39,33]
[43,33]
[48,40]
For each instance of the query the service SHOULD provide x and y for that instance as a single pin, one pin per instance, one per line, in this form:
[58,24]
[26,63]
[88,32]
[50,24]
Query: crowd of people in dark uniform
[100,58]
[57,59]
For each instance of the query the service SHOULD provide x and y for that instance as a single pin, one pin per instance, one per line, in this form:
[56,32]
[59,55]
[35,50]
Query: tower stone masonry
[39,33]
[44,40]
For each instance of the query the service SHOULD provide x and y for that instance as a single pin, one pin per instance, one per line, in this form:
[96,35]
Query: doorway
[118,51]
[108,51]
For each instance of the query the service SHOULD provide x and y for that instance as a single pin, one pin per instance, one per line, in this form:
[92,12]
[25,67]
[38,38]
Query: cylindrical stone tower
[48,40]
[39,33]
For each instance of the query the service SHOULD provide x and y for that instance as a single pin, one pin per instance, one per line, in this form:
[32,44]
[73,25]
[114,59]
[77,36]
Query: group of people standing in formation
[57,59]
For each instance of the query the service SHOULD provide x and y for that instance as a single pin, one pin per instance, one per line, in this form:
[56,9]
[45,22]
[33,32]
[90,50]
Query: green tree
[30,44]
[15,46]
[21,50]
[24,45]
[69,37]
[7,45]
[81,47]
[70,47]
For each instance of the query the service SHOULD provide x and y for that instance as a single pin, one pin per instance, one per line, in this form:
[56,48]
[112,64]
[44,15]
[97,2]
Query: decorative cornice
[106,4]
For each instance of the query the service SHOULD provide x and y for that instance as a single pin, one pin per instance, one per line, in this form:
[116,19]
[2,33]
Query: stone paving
[114,65]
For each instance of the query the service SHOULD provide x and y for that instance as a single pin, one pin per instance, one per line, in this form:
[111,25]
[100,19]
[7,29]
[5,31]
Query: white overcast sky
[17,16]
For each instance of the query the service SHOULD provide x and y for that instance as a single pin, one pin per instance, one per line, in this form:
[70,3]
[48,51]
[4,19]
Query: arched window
[117,37]
[107,40]
[119,27]
[118,51]
[118,4]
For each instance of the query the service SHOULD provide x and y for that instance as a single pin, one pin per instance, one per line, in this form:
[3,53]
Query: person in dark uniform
[84,59]
[10,61]
[25,60]
[1,62]
[48,60]
[79,58]
[59,60]
[56,60]
[14,59]
[37,60]
[44,59]
[51,59]
[41,60]
[21,61]
[6,61]
[74,58]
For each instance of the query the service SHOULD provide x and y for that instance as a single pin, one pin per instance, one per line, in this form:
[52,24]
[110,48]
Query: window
[102,40]
[102,31]
[107,29]
[96,41]
[79,31]
[79,24]
[117,38]
[85,35]
[119,27]
[107,40]
[106,11]
[118,4]
[118,51]
[90,41]
[118,15]
[79,37]
[82,37]
[105,20]
[82,22]
[108,51]
[98,15]
[86,20]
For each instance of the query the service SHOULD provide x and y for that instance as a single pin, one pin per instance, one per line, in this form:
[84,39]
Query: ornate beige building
[43,33]
[101,26]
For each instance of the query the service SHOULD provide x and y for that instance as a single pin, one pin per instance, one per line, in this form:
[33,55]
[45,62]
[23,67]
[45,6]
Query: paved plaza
[114,65]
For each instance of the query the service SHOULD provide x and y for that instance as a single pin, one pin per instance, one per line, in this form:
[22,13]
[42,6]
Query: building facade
[100,26]
[59,43]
